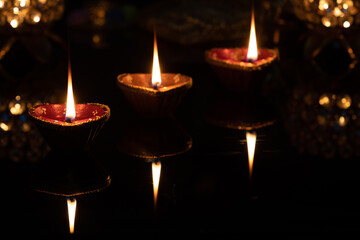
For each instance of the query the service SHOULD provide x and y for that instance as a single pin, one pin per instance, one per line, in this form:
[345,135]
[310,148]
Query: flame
[156,73]
[251,142]
[252,54]
[71,204]
[70,103]
[156,170]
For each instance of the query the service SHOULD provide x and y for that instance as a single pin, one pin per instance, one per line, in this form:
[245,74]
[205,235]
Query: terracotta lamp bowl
[77,134]
[151,102]
[237,74]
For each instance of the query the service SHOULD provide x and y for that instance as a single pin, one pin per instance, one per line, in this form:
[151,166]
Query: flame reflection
[251,142]
[71,204]
[156,171]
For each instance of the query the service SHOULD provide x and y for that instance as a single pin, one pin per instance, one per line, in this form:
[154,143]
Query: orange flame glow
[251,142]
[156,171]
[252,54]
[70,103]
[71,204]
[156,73]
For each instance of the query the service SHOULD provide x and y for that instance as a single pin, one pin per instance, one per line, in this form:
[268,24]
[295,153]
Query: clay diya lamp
[68,169]
[242,69]
[64,134]
[154,95]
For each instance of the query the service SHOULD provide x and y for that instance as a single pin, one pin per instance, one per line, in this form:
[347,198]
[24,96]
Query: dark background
[205,191]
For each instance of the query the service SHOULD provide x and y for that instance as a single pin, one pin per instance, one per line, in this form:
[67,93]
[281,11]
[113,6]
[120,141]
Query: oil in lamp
[69,170]
[154,95]
[242,69]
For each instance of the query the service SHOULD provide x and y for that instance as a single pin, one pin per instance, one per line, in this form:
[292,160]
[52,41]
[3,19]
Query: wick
[68,120]
[156,85]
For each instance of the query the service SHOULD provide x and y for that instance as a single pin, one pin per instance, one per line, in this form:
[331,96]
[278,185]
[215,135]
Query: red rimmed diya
[242,69]
[68,169]
[157,94]
[75,134]
[236,72]
[152,101]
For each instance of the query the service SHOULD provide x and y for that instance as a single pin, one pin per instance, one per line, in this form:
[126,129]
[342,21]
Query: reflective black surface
[205,190]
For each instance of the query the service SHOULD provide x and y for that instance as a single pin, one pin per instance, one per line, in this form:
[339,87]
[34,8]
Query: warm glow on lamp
[251,142]
[156,73]
[156,170]
[70,103]
[71,203]
[252,54]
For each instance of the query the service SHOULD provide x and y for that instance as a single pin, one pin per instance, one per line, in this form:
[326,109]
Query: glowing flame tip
[70,103]
[156,73]
[252,54]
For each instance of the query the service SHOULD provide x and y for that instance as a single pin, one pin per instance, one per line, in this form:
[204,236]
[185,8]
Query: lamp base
[154,138]
[241,112]
[70,173]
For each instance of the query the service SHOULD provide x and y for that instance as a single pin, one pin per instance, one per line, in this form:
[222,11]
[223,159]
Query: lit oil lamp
[157,94]
[242,69]
[69,126]
[68,170]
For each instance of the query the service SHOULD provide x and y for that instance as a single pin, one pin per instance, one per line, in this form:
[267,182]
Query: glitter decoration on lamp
[15,13]
[328,13]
